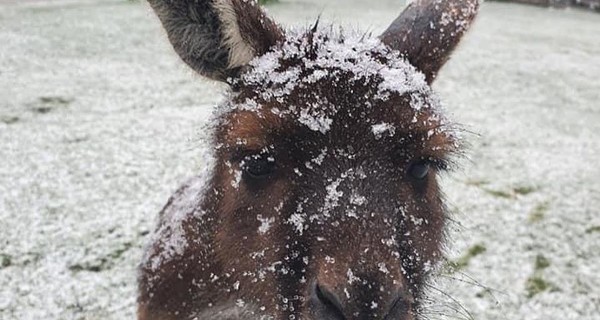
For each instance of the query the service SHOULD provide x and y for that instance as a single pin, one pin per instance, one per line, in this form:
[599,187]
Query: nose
[324,304]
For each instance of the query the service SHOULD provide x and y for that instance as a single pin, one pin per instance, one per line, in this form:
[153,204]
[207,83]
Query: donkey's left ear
[427,32]
[217,37]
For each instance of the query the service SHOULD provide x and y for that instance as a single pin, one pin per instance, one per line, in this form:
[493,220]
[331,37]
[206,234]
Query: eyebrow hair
[250,130]
[429,136]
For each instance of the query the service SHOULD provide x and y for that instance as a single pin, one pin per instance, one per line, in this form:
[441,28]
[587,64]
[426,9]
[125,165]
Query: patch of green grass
[46,104]
[30,258]
[593,229]
[476,183]
[9,119]
[104,263]
[539,212]
[524,190]
[510,194]
[5,260]
[536,285]
[541,263]
[499,193]
[464,261]
[54,100]
[484,293]
[267,1]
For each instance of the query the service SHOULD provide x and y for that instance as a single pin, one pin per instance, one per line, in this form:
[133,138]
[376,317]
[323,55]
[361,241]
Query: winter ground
[100,122]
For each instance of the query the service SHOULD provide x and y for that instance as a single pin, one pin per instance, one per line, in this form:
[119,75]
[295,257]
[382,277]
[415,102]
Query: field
[100,122]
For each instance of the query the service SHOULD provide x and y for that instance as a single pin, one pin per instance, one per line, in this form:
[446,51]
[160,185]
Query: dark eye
[258,166]
[419,170]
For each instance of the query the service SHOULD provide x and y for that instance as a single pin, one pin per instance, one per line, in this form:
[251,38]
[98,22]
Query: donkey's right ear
[217,37]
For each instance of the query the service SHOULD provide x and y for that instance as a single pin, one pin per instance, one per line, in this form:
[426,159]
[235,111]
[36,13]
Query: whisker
[460,309]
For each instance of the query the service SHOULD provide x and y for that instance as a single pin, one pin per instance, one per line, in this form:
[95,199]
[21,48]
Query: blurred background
[100,122]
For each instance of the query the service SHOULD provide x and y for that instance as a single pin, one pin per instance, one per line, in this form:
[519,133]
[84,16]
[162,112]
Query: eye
[419,170]
[258,166]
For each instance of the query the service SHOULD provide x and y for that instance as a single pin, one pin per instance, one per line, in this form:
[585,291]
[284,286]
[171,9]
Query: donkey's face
[323,203]
[330,154]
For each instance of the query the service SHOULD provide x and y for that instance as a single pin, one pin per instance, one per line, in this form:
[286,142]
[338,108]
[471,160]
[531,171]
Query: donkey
[321,198]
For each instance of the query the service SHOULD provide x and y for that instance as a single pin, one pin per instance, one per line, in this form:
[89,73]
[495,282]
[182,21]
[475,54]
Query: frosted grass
[100,122]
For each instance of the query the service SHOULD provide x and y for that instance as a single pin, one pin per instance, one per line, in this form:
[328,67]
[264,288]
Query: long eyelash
[439,164]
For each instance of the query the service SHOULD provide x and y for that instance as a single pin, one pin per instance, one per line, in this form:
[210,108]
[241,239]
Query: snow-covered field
[100,122]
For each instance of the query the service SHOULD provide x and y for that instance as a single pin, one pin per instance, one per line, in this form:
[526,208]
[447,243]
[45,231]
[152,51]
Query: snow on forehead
[305,59]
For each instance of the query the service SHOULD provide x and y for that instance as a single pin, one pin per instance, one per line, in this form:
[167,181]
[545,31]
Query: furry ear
[217,37]
[427,32]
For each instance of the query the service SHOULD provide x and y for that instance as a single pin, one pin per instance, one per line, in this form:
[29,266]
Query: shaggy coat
[321,200]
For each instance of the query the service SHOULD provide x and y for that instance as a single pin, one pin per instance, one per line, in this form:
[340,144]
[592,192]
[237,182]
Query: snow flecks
[237,178]
[351,277]
[381,129]
[315,120]
[240,303]
[268,71]
[265,224]
[315,76]
[332,197]
[329,260]
[318,160]
[430,133]
[279,206]
[357,200]
[351,213]
[170,236]
[249,105]
[401,80]
[417,221]
[258,254]
[305,260]
[298,219]
[264,66]
[383,268]
[390,242]
[299,63]
[446,19]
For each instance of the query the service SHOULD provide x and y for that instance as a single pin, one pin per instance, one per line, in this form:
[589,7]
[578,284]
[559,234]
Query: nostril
[326,304]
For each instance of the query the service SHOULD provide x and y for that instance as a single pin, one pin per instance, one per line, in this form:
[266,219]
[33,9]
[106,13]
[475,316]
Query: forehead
[333,85]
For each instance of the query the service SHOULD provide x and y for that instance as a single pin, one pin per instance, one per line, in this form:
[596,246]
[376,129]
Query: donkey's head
[322,202]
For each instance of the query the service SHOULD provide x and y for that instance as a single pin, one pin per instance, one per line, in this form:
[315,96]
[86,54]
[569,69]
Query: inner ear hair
[217,38]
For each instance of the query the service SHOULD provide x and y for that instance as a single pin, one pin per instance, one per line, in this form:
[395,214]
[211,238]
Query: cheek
[250,230]
[252,209]
[425,225]
[240,193]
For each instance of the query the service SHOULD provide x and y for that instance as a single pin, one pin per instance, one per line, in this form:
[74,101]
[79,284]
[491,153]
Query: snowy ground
[99,123]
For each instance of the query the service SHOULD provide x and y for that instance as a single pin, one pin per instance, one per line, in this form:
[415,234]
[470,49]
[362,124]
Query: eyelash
[438,164]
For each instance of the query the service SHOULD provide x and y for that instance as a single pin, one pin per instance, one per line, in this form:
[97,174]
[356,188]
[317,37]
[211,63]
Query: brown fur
[244,256]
